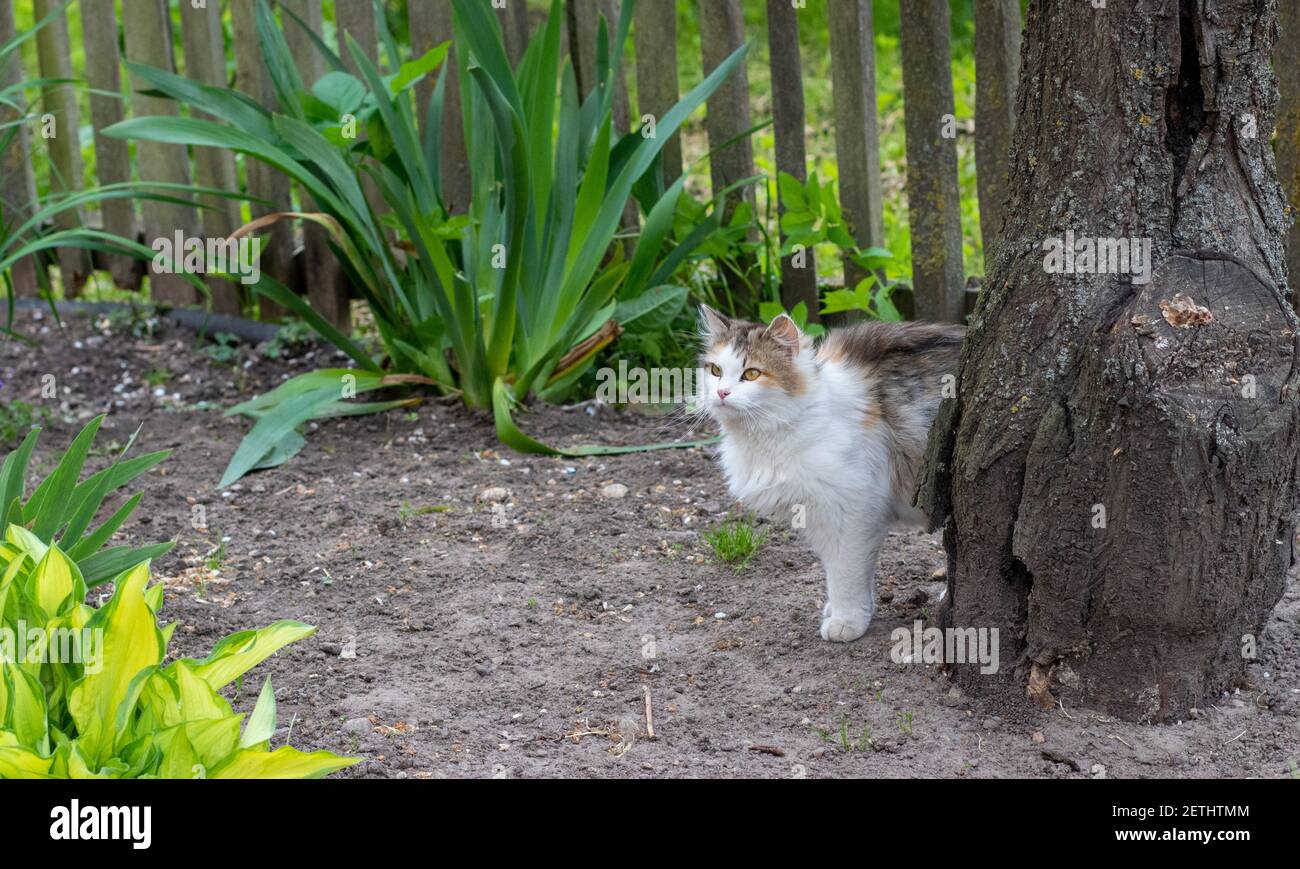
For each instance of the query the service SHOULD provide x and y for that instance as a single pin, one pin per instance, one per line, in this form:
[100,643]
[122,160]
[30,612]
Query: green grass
[17,418]
[735,541]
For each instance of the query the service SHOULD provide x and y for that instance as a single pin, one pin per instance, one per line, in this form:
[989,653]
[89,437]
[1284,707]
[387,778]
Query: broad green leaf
[238,653]
[284,762]
[131,645]
[261,724]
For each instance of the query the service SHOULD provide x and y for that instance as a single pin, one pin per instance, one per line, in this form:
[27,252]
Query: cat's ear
[785,332]
[712,323]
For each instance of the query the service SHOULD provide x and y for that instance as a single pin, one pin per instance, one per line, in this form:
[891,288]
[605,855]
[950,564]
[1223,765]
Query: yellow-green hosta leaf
[154,597]
[160,704]
[18,761]
[284,762]
[179,760]
[11,571]
[198,699]
[213,740]
[70,763]
[261,724]
[25,540]
[54,581]
[132,644]
[238,653]
[26,702]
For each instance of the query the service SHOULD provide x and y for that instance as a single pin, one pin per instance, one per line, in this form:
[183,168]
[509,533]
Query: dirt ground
[461,639]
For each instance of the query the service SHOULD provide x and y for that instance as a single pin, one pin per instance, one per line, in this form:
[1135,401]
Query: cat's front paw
[845,629]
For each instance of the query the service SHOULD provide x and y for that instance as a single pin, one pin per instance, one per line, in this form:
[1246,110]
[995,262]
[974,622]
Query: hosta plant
[513,298]
[62,508]
[84,692]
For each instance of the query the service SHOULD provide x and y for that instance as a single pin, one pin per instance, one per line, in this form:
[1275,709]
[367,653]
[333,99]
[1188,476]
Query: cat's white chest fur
[825,462]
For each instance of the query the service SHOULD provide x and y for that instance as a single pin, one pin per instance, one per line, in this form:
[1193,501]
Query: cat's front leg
[849,558]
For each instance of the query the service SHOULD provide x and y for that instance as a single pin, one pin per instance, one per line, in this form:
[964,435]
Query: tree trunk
[799,270]
[1286,63]
[933,197]
[997,64]
[17,182]
[1119,482]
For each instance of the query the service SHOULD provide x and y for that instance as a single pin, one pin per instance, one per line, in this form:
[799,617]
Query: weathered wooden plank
[357,19]
[431,26]
[722,31]
[857,134]
[933,196]
[799,270]
[997,66]
[656,75]
[515,27]
[17,181]
[261,181]
[205,61]
[61,128]
[112,156]
[584,28]
[148,41]
[327,287]
[584,25]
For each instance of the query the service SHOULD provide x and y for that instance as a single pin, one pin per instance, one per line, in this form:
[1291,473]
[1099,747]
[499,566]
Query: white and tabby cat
[831,432]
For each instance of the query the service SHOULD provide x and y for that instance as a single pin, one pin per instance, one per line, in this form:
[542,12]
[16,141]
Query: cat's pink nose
[723,393]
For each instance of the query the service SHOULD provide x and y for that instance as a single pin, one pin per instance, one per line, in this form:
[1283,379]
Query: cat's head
[749,372]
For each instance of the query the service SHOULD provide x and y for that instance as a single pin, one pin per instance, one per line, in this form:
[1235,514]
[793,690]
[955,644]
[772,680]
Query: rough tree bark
[1119,483]
[997,64]
[1286,63]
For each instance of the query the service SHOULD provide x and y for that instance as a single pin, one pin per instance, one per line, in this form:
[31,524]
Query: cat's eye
[715,370]
[751,374]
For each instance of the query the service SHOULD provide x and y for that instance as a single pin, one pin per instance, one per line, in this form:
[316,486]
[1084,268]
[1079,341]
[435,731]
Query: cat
[828,436]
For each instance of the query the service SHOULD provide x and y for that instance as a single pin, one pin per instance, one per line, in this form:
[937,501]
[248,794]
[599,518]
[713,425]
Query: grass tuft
[735,541]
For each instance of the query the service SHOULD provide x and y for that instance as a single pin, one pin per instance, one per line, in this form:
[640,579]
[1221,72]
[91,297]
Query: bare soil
[461,639]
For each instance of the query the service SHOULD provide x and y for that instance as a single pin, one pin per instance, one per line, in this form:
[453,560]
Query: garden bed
[461,639]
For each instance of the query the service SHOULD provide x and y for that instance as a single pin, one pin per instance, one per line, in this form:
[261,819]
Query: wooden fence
[300,258]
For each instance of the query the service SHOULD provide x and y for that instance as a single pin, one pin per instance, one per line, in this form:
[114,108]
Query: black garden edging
[248,331]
